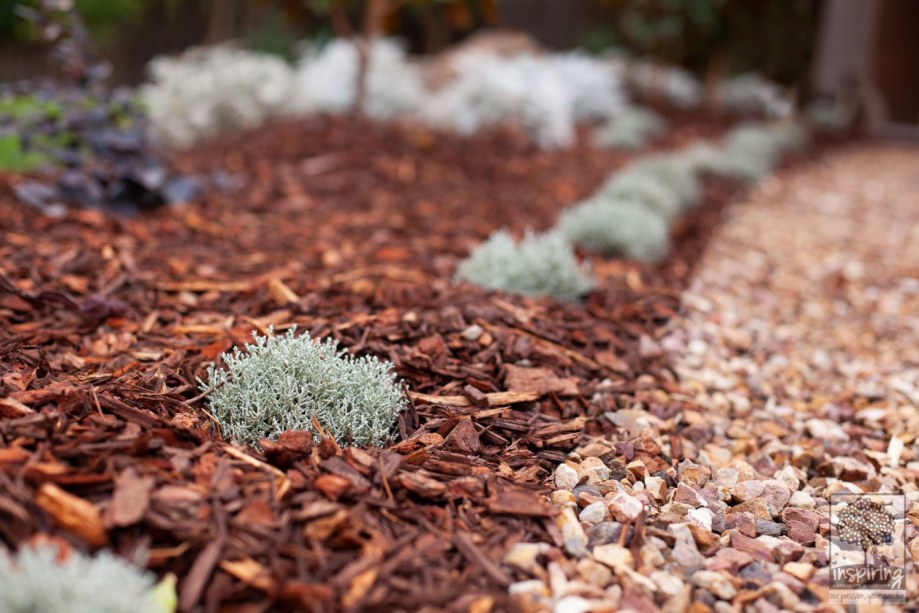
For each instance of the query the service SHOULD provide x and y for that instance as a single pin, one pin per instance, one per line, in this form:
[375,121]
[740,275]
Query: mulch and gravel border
[350,230]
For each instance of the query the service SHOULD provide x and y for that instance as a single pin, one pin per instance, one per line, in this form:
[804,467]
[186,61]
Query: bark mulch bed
[346,229]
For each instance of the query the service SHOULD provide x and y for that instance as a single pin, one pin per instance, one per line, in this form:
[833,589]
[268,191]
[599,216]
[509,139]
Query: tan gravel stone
[566,477]
[613,555]
[799,570]
[625,508]
[524,555]
[715,582]
[757,506]
[594,572]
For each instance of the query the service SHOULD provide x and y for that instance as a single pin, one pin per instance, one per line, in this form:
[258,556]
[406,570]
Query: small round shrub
[631,129]
[751,93]
[750,151]
[617,227]
[37,580]
[677,86]
[643,188]
[670,171]
[703,157]
[282,383]
[540,264]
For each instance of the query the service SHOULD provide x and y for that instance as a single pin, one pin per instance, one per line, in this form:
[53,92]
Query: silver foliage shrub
[210,90]
[630,215]
[594,86]
[673,84]
[281,383]
[701,157]
[750,93]
[35,581]
[670,170]
[540,264]
[326,80]
[617,227]
[745,93]
[547,94]
[750,151]
[646,189]
[632,129]
[491,90]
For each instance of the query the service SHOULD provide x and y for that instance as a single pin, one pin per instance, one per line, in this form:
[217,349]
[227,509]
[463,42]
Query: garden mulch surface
[347,229]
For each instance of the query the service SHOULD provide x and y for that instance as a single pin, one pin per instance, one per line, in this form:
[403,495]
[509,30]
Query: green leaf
[14,158]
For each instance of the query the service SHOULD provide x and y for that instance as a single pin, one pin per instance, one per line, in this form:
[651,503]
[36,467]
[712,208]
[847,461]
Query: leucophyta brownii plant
[290,382]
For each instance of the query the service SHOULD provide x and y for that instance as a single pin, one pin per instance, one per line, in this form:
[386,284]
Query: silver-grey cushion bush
[644,188]
[35,580]
[284,382]
[617,227]
[540,264]
[631,129]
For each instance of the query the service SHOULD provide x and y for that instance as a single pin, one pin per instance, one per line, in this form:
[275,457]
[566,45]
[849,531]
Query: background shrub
[213,89]
[750,151]
[617,227]
[632,129]
[546,93]
[644,188]
[326,80]
[658,81]
[671,171]
[540,264]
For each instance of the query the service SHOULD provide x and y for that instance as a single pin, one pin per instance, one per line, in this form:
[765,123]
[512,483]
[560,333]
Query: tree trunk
[221,21]
[374,15]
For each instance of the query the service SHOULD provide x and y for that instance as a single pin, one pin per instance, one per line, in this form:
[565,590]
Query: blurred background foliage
[767,36]
[770,36]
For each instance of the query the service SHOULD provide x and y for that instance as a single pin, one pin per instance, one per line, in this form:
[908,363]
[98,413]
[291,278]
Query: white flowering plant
[210,90]
[547,94]
[326,80]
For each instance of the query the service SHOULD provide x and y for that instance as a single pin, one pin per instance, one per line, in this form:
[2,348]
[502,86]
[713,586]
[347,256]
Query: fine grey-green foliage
[751,93]
[281,383]
[631,129]
[750,151]
[644,188]
[670,171]
[540,264]
[701,157]
[678,86]
[617,227]
[830,116]
[34,581]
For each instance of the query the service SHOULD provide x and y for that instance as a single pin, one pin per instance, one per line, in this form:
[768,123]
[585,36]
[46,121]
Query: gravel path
[798,354]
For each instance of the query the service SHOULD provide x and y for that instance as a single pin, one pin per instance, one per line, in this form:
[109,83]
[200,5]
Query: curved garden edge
[356,528]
